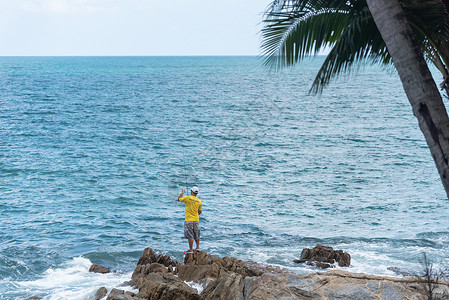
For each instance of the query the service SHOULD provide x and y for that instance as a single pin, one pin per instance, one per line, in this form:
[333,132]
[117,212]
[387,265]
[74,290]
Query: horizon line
[187,55]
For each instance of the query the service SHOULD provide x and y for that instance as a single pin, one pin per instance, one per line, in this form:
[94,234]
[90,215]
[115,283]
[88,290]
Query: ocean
[95,150]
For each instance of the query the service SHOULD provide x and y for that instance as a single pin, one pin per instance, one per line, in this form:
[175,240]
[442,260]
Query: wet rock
[151,262]
[230,278]
[197,258]
[324,257]
[199,272]
[165,260]
[158,268]
[200,265]
[100,293]
[164,286]
[149,256]
[273,286]
[116,294]
[99,269]
[229,287]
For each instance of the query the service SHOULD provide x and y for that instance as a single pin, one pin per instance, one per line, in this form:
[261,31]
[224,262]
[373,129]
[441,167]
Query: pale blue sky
[130,27]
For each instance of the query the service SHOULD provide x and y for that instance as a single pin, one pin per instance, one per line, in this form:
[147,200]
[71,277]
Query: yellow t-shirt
[193,204]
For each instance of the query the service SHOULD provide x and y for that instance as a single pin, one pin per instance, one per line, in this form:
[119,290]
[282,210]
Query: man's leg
[197,244]
[188,234]
[196,234]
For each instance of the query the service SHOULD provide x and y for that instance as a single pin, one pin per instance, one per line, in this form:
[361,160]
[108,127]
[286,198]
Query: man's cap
[194,190]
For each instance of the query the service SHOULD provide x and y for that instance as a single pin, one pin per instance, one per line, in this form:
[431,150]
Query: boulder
[324,257]
[149,256]
[164,286]
[99,269]
[100,293]
[150,262]
[116,294]
[143,270]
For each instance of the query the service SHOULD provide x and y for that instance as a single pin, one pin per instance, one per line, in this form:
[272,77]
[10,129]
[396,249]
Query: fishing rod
[185,171]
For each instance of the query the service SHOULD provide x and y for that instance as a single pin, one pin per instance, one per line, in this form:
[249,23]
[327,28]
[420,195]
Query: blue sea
[95,150]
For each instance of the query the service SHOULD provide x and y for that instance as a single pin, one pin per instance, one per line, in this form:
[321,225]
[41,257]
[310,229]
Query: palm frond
[297,28]
[359,41]
[292,37]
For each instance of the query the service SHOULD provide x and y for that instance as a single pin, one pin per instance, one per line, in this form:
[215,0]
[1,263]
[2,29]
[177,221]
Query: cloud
[67,7]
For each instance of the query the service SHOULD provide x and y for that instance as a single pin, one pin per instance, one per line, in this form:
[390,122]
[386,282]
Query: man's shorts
[192,230]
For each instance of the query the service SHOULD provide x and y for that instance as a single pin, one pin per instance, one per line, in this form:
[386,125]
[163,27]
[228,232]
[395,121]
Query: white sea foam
[74,281]
[198,287]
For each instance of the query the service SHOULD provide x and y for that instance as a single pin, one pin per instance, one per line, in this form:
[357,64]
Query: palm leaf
[295,29]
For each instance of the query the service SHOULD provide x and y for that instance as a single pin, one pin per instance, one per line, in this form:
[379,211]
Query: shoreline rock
[160,277]
[100,293]
[324,257]
[99,269]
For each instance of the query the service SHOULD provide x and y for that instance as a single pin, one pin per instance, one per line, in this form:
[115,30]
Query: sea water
[95,150]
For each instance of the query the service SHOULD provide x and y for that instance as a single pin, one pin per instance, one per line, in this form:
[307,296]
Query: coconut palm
[294,29]
[417,81]
[401,31]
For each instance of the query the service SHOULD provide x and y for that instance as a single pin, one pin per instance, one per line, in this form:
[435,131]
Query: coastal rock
[229,278]
[272,286]
[116,294]
[99,269]
[200,265]
[164,286]
[149,256]
[324,257]
[100,293]
[229,287]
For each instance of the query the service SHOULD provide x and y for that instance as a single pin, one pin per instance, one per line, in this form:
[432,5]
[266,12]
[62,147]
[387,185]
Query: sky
[130,27]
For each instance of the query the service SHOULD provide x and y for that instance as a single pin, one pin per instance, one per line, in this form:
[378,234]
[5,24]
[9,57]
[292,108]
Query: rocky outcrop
[159,277]
[155,278]
[99,269]
[324,257]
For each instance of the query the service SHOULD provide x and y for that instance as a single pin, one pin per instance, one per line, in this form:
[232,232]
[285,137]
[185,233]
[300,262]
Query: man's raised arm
[182,193]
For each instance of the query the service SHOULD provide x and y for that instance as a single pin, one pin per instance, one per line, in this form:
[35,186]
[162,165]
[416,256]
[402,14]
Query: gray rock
[324,257]
[116,294]
[391,293]
[100,293]
[99,269]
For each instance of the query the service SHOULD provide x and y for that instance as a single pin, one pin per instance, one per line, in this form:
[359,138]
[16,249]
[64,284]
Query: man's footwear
[188,251]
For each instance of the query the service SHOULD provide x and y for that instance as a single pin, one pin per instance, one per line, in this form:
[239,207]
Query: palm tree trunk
[417,81]
[445,51]
[444,48]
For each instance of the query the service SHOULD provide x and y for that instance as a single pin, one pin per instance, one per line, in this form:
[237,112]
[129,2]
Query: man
[193,210]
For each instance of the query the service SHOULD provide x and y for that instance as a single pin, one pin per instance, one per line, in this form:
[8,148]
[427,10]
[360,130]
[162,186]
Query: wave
[72,280]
